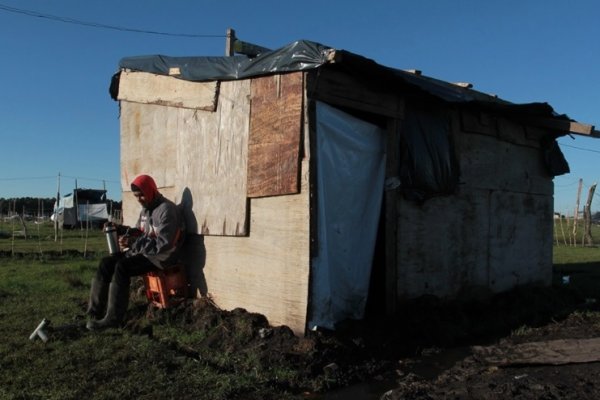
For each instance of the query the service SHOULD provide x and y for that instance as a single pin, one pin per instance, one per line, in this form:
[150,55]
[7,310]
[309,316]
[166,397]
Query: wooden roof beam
[573,127]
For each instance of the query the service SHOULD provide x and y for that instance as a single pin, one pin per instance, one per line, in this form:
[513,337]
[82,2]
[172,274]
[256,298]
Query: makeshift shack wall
[496,231]
[199,158]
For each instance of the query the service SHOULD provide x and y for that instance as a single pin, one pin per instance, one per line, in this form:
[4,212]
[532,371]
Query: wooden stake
[229,42]
[576,212]
[562,230]
[587,219]
[56,211]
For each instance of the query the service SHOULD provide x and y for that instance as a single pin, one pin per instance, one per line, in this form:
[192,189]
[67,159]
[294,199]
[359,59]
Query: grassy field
[43,278]
[154,359]
[133,363]
[40,238]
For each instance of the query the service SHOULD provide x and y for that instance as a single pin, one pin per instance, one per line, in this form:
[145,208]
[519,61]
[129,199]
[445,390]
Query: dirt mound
[238,340]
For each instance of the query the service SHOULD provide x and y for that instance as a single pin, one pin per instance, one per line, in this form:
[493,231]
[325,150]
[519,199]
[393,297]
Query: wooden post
[576,213]
[229,42]
[587,219]
[562,230]
[56,210]
[391,217]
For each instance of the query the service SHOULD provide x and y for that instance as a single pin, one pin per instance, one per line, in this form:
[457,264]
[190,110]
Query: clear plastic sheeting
[350,181]
[92,212]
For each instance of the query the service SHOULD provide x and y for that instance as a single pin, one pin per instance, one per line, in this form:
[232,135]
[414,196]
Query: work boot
[118,299]
[97,302]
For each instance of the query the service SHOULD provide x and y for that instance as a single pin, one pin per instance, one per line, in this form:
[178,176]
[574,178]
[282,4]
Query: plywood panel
[520,239]
[148,143]
[212,157]
[144,87]
[266,272]
[489,163]
[275,132]
[203,155]
[442,245]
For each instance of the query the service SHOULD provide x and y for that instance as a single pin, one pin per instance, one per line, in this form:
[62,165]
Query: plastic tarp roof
[296,56]
[305,55]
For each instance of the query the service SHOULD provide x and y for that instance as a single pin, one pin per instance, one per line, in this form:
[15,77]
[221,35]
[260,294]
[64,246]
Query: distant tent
[81,207]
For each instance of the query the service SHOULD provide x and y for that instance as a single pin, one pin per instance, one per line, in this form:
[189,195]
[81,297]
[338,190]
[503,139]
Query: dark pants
[120,269]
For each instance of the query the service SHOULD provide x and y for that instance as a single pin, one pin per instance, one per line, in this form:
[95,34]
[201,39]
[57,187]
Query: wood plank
[147,88]
[562,125]
[442,244]
[275,135]
[212,157]
[391,216]
[148,143]
[478,122]
[551,352]
[520,239]
[268,271]
[487,162]
[341,89]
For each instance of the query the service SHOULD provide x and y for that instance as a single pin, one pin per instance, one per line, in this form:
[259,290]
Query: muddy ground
[427,353]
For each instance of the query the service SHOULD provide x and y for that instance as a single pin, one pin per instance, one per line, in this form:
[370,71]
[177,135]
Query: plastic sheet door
[350,183]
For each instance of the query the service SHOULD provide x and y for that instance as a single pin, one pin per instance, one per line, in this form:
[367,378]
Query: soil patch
[396,348]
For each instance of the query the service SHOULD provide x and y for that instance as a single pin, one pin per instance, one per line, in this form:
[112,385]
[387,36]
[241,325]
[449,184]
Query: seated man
[155,244]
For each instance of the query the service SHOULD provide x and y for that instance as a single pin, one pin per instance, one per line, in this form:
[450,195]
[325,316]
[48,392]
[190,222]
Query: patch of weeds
[523,330]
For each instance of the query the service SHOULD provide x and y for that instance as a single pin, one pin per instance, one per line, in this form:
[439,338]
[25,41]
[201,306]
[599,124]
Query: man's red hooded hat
[147,186]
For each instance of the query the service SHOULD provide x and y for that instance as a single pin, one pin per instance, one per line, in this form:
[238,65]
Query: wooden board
[551,352]
[490,163]
[520,239]
[340,89]
[147,88]
[212,157]
[203,155]
[268,271]
[148,143]
[442,244]
[275,135]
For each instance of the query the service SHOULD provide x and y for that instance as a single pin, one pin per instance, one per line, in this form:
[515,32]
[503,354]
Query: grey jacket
[161,233]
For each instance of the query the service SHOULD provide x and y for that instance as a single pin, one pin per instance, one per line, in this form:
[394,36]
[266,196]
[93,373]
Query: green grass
[128,363]
[574,255]
[118,363]
[42,238]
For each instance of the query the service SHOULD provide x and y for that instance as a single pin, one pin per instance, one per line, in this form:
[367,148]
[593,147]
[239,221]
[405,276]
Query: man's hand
[124,243]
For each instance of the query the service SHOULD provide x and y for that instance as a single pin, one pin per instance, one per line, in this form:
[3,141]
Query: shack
[82,207]
[316,182]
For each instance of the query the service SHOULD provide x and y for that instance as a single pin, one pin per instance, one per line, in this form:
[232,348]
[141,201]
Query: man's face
[139,196]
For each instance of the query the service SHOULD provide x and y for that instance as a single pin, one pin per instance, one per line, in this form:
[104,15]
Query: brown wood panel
[275,134]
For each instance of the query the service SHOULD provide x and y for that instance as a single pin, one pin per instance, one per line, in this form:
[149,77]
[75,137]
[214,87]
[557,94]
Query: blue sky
[57,117]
